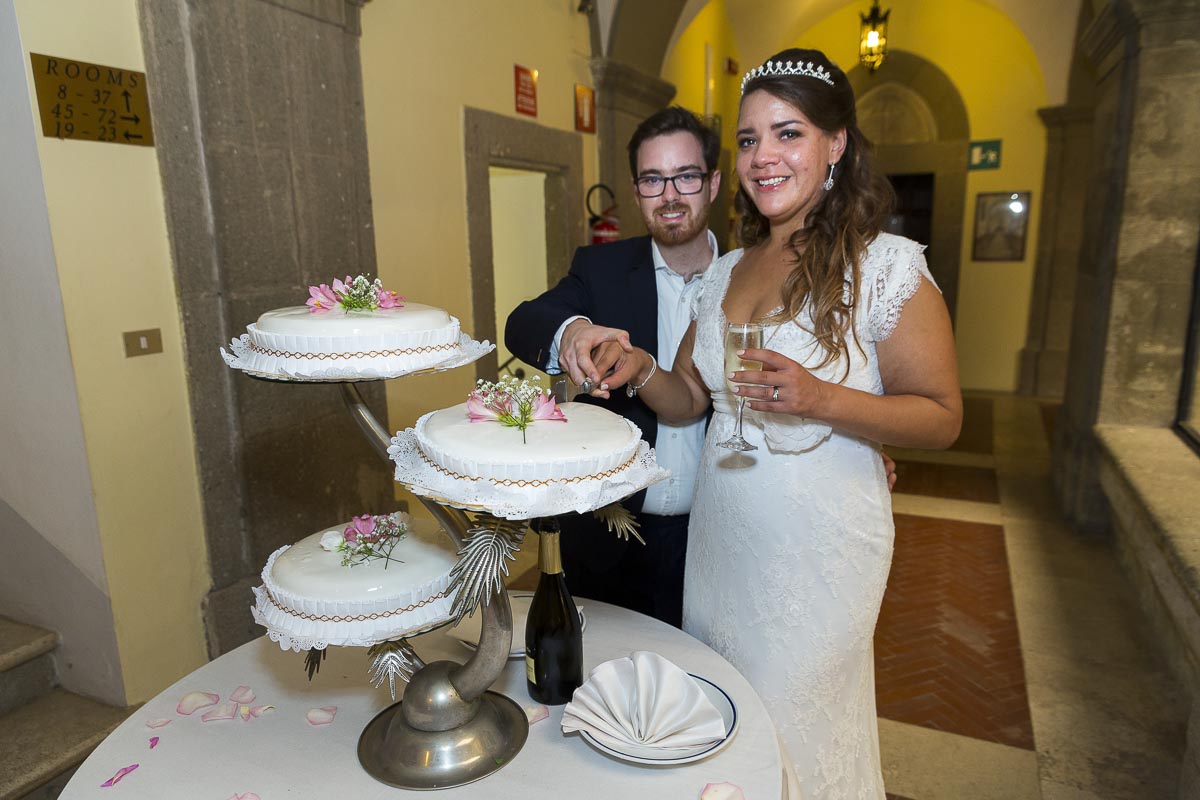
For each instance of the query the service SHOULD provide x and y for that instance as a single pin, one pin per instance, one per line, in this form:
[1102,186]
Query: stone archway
[917,120]
[629,42]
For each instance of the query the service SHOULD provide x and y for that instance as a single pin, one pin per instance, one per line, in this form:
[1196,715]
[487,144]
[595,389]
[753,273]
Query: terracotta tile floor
[976,435]
[947,653]
[948,481]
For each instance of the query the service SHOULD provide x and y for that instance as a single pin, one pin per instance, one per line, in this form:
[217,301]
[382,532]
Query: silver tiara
[788,68]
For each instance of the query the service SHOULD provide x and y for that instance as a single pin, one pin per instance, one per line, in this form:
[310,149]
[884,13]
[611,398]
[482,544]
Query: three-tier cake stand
[449,729]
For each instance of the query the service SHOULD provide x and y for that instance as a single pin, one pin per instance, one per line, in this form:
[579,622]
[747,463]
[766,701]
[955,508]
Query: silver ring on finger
[775,394]
[587,386]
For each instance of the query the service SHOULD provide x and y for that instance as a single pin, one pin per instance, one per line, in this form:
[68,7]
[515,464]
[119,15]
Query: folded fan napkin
[643,700]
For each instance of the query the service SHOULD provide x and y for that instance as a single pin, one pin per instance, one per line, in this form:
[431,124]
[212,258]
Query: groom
[645,286]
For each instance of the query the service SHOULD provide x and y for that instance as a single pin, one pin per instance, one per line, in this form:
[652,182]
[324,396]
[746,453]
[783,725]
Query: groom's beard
[681,230]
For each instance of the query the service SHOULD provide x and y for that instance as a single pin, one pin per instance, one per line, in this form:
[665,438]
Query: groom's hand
[579,341]
[609,359]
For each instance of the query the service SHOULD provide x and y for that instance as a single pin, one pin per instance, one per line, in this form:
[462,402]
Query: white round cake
[308,598]
[593,443]
[296,341]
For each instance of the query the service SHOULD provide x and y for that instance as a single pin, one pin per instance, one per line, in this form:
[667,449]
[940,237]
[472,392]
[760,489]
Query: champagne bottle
[553,634]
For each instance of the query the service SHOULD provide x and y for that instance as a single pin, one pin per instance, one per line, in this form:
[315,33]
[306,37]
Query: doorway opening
[913,215]
[518,198]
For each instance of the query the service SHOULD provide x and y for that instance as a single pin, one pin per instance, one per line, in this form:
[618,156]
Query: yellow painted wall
[998,76]
[421,66]
[114,266]
[684,67]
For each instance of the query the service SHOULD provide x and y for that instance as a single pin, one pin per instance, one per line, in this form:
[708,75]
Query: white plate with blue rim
[467,631]
[641,754]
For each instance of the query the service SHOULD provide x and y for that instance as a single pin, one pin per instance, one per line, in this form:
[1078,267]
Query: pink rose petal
[536,713]
[258,711]
[194,701]
[246,796]
[321,716]
[157,723]
[153,742]
[722,791]
[242,694]
[121,773]
[223,711]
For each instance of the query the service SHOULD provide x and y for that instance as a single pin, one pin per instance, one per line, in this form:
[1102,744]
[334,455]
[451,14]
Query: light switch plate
[142,343]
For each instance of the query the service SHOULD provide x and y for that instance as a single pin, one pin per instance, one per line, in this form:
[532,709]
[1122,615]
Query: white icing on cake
[308,596]
[297,342]
[592,441]
[308,570]
[301,320]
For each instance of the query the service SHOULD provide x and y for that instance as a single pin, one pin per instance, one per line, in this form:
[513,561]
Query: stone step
[42,740]
[27,668]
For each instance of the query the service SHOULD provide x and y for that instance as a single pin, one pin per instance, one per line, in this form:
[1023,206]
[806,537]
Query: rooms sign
[78,100]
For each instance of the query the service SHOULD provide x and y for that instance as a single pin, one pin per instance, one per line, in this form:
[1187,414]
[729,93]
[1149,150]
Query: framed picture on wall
[1001,226]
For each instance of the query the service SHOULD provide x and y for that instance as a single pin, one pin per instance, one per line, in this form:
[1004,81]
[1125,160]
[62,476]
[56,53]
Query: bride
[790,544]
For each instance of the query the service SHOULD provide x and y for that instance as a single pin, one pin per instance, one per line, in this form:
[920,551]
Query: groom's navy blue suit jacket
[612,285]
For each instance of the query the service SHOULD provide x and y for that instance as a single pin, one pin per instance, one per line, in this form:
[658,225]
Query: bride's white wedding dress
[790,545]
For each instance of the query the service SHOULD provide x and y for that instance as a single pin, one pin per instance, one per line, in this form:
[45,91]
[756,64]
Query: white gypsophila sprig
[368,538]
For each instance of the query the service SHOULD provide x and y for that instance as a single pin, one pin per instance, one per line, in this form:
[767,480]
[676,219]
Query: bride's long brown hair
[829,248]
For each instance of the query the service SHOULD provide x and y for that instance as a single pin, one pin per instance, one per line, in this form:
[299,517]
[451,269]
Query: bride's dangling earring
[828,184]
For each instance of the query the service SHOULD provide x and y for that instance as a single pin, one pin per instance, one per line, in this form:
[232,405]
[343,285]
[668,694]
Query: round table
[281,755]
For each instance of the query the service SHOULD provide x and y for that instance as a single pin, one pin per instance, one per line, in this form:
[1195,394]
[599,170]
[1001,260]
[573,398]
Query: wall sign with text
[525,89]
[78,100]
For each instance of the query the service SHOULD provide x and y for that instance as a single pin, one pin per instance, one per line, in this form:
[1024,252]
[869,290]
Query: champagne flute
[740,336]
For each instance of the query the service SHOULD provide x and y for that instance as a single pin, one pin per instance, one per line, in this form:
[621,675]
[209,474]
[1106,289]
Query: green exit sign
[984,155]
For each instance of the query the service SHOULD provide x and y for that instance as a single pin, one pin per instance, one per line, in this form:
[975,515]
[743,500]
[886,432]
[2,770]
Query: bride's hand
[782,387]
[624,367]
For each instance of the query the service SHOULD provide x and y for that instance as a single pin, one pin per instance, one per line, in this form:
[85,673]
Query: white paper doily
[243,358]
[520,502]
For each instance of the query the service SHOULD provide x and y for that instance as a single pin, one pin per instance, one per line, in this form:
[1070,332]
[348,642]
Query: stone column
[1139,237]
[261,140]
[624,97]
[1068,153]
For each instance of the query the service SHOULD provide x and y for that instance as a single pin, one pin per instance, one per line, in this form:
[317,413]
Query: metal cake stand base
[395,753]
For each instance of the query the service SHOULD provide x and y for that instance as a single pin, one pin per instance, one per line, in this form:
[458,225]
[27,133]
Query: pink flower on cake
[352,294]
[322,298]
[362,529]
[388,299]
[545,408]
[368,538]
[512,402]
[481,410]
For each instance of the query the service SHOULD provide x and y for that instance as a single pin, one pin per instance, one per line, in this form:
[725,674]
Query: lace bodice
[891,273]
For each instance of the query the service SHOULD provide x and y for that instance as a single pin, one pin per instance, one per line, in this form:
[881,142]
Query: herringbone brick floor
[947,653]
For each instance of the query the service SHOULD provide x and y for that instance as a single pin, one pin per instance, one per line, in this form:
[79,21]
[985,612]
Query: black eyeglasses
[684,183]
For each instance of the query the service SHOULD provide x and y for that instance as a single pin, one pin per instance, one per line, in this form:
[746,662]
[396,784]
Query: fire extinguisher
[605,227]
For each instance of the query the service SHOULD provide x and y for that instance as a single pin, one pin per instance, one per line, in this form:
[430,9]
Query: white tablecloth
[280,755]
